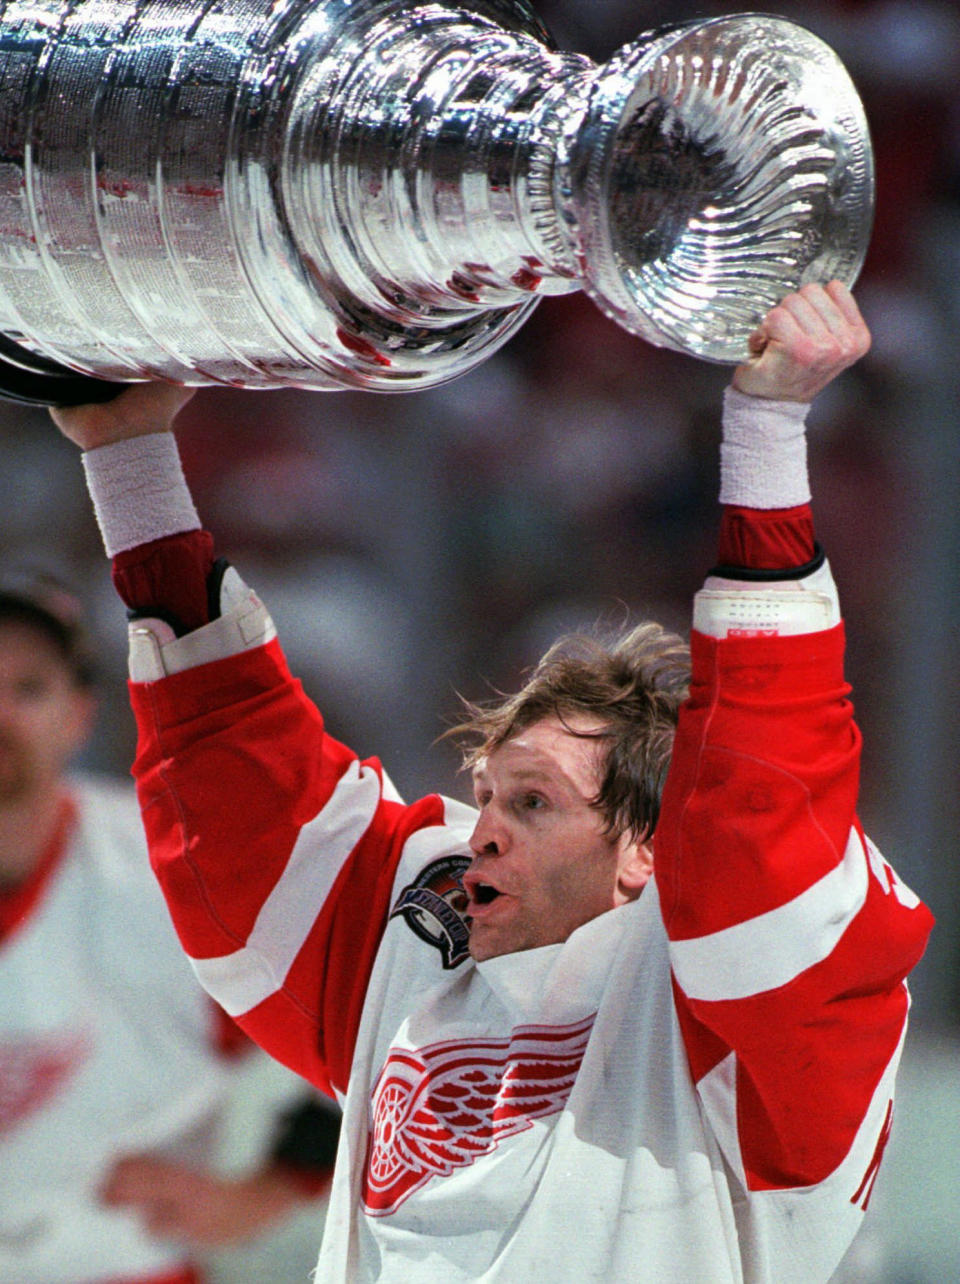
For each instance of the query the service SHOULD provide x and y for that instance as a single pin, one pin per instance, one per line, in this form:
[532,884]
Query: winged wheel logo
[443,1107]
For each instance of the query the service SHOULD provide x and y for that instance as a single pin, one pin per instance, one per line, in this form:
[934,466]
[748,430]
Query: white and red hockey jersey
[695,1086]
[107,1047]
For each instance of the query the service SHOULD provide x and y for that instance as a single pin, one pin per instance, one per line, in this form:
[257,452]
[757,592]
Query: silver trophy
[375,193]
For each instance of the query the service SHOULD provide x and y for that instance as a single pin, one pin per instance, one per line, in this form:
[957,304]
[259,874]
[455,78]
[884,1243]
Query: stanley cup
[375,193]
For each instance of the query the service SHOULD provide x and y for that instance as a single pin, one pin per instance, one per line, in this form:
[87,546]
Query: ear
[634,867]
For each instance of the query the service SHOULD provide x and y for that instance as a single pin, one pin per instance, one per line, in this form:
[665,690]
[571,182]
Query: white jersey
[558,1149]
[106,1048]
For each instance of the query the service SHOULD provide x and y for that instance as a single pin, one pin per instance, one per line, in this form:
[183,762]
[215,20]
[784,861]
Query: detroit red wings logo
[445,1106]
[34,1071]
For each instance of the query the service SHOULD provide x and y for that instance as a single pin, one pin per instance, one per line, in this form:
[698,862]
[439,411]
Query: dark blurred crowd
[416,546]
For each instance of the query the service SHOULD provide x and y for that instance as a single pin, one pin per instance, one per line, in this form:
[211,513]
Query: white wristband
[763,453]
[139,491]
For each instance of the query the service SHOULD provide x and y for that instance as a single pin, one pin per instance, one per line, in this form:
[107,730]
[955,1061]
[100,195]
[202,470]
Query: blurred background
[415,546]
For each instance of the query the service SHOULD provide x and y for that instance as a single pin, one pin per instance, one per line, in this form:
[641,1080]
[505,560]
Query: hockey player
[582,1030]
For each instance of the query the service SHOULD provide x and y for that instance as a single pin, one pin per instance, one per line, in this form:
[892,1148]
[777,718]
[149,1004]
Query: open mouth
[479,894]
[484,894]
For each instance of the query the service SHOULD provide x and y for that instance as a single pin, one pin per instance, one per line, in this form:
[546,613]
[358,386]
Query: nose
[488,837]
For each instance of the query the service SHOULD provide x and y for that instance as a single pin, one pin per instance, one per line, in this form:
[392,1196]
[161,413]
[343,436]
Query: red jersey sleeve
[276,849]
[275,846]
[790,937]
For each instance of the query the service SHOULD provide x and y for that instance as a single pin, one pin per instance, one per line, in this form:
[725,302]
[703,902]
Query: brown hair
[633,684]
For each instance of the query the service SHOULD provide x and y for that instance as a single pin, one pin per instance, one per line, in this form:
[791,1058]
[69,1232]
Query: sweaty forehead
[548,751]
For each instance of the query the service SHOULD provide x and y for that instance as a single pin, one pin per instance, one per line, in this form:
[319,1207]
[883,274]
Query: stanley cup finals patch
[434,905]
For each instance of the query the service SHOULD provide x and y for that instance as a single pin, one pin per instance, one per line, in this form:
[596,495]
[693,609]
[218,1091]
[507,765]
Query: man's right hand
[140,409]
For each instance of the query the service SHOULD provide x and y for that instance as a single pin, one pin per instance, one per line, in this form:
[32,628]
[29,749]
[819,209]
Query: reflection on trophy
[375,193]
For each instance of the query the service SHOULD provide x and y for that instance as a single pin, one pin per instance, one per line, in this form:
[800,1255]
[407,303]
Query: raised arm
[790,936]
[275,846]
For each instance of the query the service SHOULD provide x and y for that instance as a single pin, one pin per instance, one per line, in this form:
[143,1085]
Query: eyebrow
[530,776]
[533,773]
[519,773]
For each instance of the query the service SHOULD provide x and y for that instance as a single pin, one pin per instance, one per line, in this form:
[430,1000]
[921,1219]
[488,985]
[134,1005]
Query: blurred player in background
[115,1067]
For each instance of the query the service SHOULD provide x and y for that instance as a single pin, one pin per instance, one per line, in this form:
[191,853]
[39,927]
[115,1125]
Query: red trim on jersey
[169,575]
[705,1050]
[865,1190]
[758,806]
[17,905]
[773,539]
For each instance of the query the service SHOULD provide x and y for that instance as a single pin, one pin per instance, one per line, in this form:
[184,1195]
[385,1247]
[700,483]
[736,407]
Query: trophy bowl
[721,165]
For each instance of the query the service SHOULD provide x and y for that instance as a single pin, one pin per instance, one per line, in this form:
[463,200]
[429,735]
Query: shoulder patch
[434,905]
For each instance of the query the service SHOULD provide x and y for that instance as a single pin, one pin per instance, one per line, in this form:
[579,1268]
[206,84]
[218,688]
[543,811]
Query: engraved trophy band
[374,194]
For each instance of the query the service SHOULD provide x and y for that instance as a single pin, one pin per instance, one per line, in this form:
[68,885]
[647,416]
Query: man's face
[44,716]
[542,864]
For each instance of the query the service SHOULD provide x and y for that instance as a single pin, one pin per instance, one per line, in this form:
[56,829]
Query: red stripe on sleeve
[311,1024]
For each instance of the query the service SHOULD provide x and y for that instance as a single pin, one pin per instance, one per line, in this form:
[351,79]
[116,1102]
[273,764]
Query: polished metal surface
[374,194]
